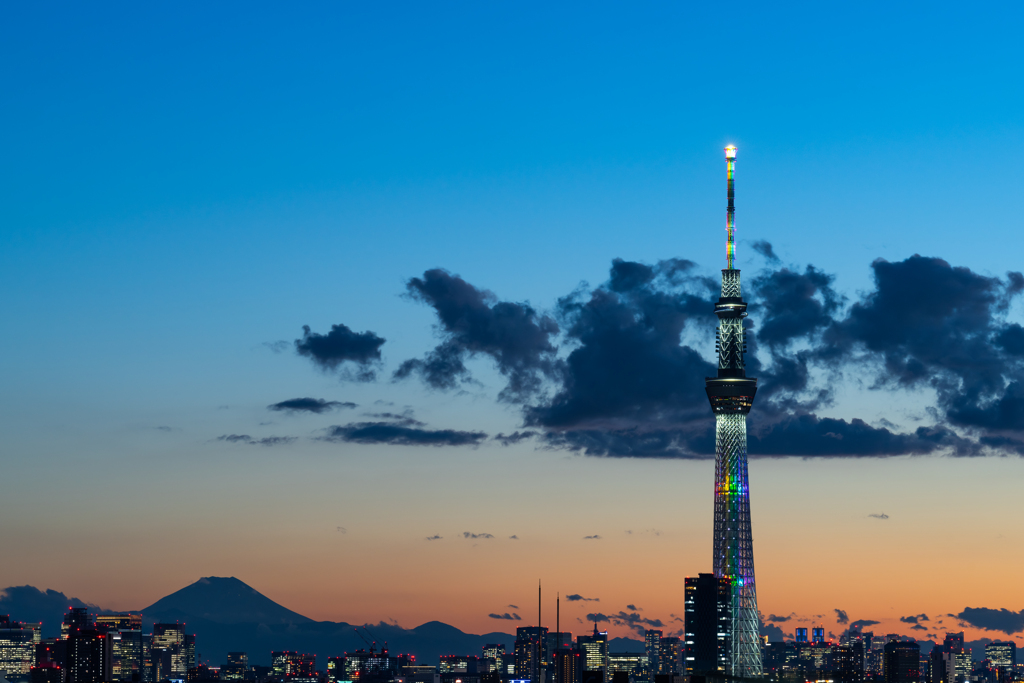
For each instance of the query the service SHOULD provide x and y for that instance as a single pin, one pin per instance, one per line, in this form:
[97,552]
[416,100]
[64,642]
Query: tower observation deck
[732,394]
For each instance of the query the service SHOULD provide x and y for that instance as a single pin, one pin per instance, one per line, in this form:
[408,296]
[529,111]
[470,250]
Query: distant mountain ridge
[228,615]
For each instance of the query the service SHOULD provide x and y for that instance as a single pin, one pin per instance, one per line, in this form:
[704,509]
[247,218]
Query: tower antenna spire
[730,211]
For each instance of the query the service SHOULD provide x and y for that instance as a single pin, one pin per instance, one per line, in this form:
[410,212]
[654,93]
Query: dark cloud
[627,367]
[765,249]
[1007,621]
[515,437]
[942,327]
[628,381]
[435,537]
[861,623]
[914,619]
[310,405]
[630,619]
[841,617]
[918,627]
[506,615]
[467,534]
[634,608]
[591,538]
[576,597]
[513,537]
[514,606]
[879,515]
[474,322]
[265,441]
[777,619]
[28,603]
[342,345]
[774,633]
[399,434]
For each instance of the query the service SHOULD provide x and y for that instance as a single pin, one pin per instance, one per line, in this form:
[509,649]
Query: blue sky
[184,184]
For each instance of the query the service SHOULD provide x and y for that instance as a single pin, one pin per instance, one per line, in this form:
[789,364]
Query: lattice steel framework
[732,394]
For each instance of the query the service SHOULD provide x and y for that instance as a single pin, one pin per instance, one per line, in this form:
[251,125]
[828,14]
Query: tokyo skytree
[732,394]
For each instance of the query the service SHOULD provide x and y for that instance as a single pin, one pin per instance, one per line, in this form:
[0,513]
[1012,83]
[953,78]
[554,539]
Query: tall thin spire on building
[732,394]
[537,664]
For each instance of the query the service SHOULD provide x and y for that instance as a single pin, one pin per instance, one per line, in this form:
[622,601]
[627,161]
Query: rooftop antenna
[558,618]
[730,212]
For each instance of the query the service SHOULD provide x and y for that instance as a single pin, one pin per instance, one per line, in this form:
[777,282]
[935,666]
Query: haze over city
[391,310]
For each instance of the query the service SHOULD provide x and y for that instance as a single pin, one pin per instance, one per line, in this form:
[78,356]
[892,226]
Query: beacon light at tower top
[730,152]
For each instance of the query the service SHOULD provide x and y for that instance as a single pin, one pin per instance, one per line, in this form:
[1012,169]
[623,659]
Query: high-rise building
[237,667]
[731,394]
[670,661]
[708,623]
[594,648]
[902,662]
[801,635]
[848,663]
[46,672]
[818,634]
[567,665]
[958,665]
[1001,654]
[625,663]
[126,654]
[17,649]
[652,646]
[75,617]
[173,651]
[88,656]
[531,642]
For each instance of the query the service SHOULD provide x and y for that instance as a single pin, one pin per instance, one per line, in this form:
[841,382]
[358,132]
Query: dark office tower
[652,645]
[818,634]
[530,640]
[848,663]
[75,618]
[594,650]
[670,659]
[46,672]
[937,666]
[953,641]
[732,394]
[801,635]
[592,676]
[88,656]
[568,665]
[902,662]
[709,603]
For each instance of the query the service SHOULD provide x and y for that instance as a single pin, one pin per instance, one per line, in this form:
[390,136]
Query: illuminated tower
[731,394]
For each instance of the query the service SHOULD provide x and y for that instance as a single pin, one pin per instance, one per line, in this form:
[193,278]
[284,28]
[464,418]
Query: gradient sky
[184,186]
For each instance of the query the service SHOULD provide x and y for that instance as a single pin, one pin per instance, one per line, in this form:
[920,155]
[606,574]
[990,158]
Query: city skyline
[390,311]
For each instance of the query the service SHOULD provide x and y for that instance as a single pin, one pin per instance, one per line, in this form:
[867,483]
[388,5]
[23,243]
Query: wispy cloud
[879,515]
[468,534]
[265,441]
[506,616]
